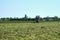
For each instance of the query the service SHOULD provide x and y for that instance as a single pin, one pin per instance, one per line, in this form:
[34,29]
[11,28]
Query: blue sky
[18,8]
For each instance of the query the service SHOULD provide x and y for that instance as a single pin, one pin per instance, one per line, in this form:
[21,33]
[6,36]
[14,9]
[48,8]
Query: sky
[18,8]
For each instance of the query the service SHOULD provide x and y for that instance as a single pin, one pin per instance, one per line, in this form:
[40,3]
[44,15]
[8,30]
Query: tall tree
[26,17]
[37,19]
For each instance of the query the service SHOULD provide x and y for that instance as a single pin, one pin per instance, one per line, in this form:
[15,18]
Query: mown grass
[30,31]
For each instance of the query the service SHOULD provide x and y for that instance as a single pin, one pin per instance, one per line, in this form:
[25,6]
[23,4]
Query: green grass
[30,31]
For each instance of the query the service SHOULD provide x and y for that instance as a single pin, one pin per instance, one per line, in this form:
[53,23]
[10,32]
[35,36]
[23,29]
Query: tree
[2,19]
[37,19]
[55,18]
[26,17]
[47,18]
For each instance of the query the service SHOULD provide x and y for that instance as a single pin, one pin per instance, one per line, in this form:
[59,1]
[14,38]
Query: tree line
[36,19]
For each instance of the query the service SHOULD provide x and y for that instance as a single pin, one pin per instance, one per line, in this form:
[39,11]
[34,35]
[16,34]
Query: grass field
[30,31]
